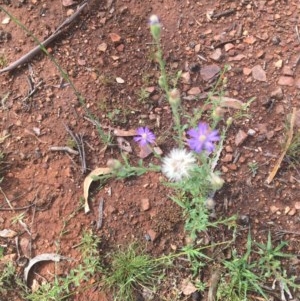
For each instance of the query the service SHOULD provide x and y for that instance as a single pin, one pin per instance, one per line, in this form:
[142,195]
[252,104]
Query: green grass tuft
[131,270]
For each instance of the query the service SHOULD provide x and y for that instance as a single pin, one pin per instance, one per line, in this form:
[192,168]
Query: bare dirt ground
[259,40]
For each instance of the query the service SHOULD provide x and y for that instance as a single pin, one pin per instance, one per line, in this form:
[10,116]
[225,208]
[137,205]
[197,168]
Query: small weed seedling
[252,272]
[143,95]
[270,263]
[7,278]
[131,270]
[293,152]
[240,278]
[62,288]
[3,61]
[253,168]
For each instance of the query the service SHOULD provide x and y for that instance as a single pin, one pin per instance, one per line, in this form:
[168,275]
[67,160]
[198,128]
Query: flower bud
[218,113]
[229,121]
[174,97]
[155,27]
[216,181]
[210,204]
[114,164]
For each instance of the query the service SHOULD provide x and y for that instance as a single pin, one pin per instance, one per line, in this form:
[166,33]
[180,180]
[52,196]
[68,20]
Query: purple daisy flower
[202,138]
[144,136]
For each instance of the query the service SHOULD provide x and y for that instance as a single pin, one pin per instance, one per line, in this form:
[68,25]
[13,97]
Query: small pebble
[251,132]
[145,204]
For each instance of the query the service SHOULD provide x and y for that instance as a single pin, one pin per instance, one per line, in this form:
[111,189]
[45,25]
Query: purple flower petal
[144,136]
[202,138]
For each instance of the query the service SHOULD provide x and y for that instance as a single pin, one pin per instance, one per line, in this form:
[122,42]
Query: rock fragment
[240,137]
[259,74]
[194,91]
[152,235]
[228,47]
[287,70]
[277,94]
[238,57]
[216,55]
[286,81]
[145,204]
[278,64]
[208,72]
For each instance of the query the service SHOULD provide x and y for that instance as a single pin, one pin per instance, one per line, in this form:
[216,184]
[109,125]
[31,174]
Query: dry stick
[32,91]
[82,154]
[223,13]
[297,32]
[16,208]
[80,145]
[214,281]
[7,200]
[32,53]
[287,145]
[226,42]
[65,149]
[100,212]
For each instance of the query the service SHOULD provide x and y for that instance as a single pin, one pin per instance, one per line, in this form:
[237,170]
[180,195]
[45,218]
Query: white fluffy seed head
[210,204]
[178,164]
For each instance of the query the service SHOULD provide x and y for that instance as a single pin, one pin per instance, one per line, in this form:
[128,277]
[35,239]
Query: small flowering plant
[202,138]
[189,166]
[144,136]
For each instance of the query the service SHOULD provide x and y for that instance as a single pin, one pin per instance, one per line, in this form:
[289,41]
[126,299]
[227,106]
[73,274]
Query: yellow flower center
[202,138]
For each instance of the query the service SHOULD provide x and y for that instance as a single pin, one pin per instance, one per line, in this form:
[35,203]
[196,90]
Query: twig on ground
[284,290]
[226,42]
[32,53]
[33,87]
[287,145]
[97,124]
[224,13]
[64,149]
[24,226]
[82,154]
[195,21]
[214,281]
[34,135]
[80,146]
[32,91]
[100,212]
[16,208]
[179,21]
[3,100]
[7,200]
[297,32]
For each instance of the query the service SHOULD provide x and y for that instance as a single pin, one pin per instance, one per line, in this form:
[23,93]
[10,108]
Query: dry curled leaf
[88,181]
[7,233]
[187,287]
[67,3]
[124,133]
[42,257]
[228,102]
